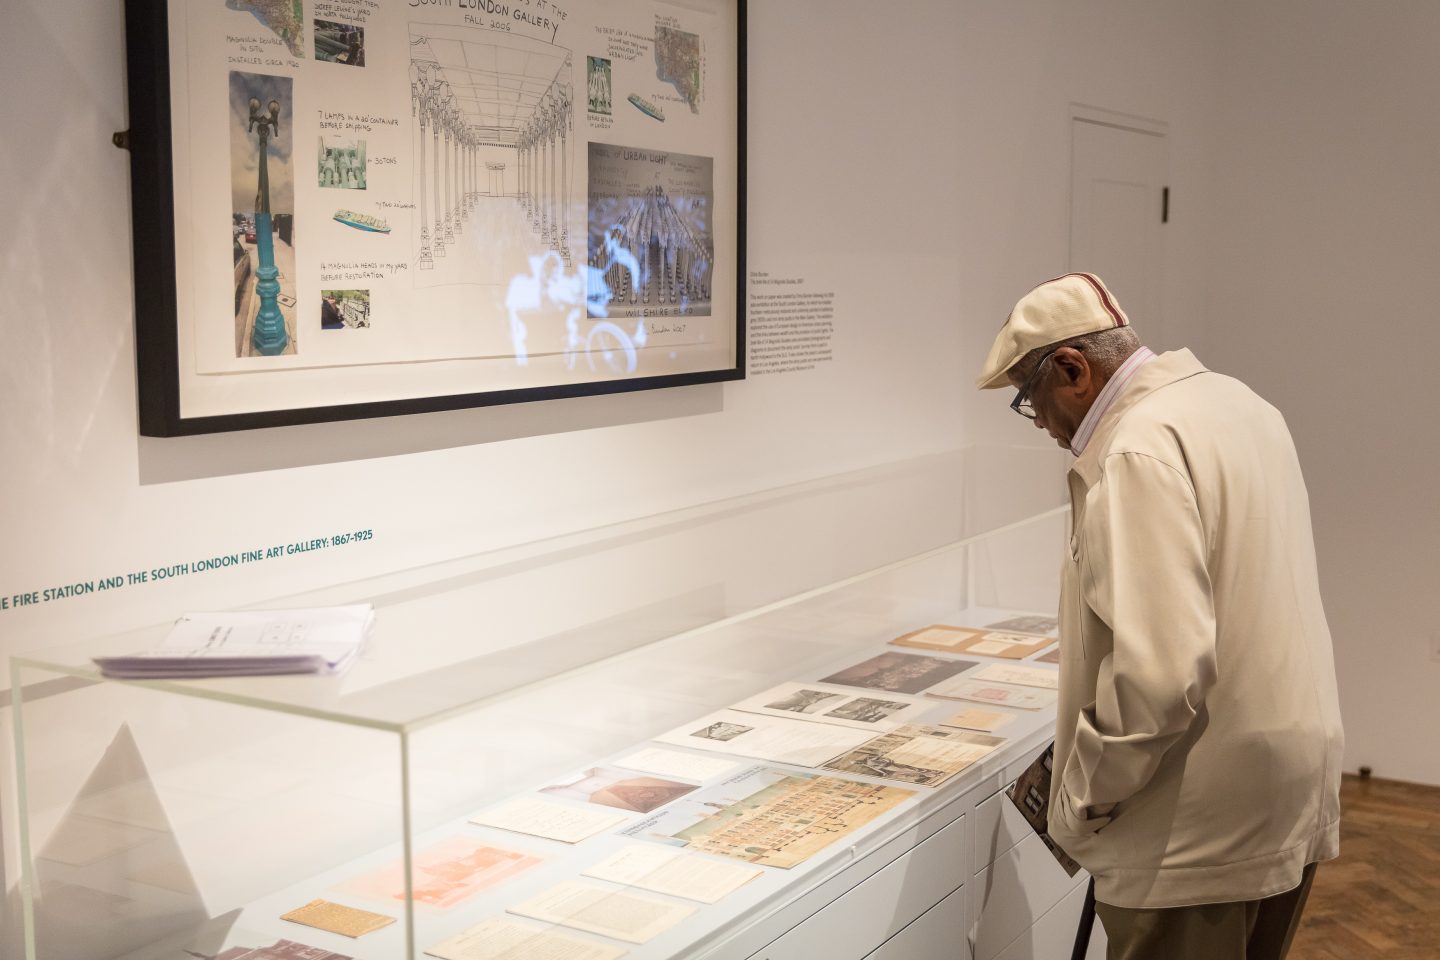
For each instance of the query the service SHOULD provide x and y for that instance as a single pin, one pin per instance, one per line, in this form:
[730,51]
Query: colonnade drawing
[545,168]
[492,119]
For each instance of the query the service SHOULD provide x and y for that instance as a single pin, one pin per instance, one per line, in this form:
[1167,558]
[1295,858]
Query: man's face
[1061,393]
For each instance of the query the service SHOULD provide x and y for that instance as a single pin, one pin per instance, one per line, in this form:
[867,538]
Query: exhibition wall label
[350,208]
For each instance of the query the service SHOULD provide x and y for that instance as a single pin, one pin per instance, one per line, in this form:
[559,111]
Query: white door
[1117,205]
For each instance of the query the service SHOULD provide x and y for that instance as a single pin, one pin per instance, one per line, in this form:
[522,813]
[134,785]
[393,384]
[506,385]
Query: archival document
[501,938]
[611,913]
[674,872]
[543,818]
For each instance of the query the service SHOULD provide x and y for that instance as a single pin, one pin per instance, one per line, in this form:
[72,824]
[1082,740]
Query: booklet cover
[1031,794]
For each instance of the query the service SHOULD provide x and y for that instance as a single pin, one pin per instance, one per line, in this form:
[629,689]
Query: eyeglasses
[1021,404]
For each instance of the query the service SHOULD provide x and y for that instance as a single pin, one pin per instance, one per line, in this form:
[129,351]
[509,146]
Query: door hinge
[1164,204]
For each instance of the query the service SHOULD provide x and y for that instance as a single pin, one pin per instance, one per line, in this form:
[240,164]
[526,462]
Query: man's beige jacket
[1197,753]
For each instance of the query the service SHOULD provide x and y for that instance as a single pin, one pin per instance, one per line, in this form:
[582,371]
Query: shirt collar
[1111,392]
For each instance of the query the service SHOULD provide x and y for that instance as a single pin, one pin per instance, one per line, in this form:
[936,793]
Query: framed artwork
[364,208]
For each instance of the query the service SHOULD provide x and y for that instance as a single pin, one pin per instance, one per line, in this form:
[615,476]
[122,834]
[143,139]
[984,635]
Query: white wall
[914,159]
[1323,299]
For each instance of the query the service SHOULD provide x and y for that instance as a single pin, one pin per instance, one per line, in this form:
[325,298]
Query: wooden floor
[1381,898]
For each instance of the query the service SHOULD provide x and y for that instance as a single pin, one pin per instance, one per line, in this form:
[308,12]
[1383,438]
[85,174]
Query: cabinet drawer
[1009,896]
[872,912]
[998,827]
[1054,934]
[938,935]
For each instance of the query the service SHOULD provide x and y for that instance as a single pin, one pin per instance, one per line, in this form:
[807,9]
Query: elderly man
[1197,750]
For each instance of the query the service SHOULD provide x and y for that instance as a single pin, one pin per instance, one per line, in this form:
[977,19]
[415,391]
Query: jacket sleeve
[1143,572]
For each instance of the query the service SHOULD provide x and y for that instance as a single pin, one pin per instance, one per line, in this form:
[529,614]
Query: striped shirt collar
[1108,396]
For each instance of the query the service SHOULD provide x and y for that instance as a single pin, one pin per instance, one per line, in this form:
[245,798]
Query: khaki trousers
[1244,930]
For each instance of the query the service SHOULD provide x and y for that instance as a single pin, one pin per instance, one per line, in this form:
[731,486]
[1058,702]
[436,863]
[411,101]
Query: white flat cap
[1058,309]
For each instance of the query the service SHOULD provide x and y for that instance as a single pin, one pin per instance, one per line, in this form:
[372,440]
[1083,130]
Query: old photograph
[621,789]
[651,243]
[900,672]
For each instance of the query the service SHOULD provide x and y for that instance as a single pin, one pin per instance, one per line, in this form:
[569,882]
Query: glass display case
[662,741]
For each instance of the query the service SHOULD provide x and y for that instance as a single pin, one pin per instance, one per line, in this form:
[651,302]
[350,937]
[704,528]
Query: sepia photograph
[900,672]
[621,789]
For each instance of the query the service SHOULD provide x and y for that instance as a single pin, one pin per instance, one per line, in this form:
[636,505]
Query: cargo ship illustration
[646,107]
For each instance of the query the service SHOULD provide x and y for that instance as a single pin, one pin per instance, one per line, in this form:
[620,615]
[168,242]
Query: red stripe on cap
[1100,291]
[1104,296]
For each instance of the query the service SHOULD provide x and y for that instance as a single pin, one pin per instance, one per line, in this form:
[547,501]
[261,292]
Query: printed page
[611,913]
[938,637]
[844,708]
[766,738]
[500,938]
[673,872]
[986,721]
[1023,675]
[917,754]
[675,763]
[1000,694]
[543,818]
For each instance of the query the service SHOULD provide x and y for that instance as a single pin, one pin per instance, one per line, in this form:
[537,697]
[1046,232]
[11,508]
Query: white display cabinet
[184,818]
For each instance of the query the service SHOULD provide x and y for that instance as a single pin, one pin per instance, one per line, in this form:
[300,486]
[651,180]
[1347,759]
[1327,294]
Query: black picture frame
[157,348]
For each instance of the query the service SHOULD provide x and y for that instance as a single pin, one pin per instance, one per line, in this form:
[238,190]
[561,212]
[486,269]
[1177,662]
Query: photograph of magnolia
[899,672]
[344,309]
[917,753]
[622,789]
[598,87]
[445,875]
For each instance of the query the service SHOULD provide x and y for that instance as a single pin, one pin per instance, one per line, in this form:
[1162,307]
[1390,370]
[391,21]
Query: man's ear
[1074,366]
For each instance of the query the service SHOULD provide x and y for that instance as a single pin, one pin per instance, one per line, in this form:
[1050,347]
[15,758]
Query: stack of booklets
[323,640]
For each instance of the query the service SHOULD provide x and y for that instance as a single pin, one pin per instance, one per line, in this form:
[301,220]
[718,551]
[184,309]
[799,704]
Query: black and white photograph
[651,245]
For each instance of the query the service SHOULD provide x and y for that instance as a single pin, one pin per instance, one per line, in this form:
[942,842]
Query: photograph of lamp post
[263,198]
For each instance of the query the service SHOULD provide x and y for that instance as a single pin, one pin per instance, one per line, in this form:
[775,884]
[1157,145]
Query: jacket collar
[1165,369]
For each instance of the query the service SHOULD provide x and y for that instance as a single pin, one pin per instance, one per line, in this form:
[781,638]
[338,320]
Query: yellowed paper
[917,753]
[986,721]
[336,918]
[788,821]
[938,637]
[1011,645]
